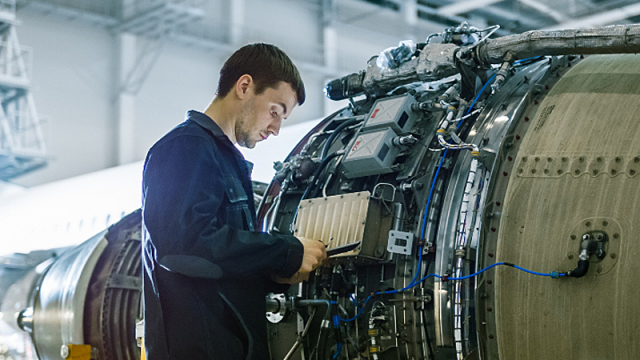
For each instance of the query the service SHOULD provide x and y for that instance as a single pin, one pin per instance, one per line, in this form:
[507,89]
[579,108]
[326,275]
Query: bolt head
[64,351]
[586,237]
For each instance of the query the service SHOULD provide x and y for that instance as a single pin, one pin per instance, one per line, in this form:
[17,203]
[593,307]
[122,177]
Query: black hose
[581,270]
[316,174]
[321,348]
[332,137]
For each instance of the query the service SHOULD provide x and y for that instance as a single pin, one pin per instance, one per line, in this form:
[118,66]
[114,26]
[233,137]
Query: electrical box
[345,219]
[371,153]
[392,112]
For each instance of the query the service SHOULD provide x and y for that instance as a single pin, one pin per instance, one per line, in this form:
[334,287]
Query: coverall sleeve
[183,194]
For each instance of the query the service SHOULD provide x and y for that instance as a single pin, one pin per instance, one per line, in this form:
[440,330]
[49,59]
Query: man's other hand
[314,254]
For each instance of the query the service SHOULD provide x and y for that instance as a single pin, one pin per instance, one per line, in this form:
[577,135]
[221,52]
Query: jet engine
[488,190]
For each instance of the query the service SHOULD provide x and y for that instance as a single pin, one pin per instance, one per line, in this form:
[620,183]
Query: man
[207,270]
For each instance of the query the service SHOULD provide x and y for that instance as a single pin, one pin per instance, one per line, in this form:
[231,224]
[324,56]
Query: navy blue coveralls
[207,270]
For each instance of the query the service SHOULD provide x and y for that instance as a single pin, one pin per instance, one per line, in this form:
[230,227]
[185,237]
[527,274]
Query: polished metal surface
[60,299]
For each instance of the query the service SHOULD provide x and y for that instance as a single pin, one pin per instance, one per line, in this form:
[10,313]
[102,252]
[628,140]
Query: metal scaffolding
[22,147]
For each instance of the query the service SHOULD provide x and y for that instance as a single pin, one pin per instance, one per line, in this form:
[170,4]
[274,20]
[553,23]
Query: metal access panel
[393,112]
[345,219]
[372,153]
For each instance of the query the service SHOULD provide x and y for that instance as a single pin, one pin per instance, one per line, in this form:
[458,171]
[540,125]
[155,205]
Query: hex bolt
[570,256]
[599,237]
[613,255]
[586,237]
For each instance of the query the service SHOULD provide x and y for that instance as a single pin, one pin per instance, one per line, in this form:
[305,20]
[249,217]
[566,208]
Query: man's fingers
[314,254]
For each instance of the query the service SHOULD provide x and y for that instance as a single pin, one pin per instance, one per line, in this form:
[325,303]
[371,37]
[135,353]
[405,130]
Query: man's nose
[275,128]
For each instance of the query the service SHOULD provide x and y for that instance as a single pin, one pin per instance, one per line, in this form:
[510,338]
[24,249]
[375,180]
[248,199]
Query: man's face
[261,115]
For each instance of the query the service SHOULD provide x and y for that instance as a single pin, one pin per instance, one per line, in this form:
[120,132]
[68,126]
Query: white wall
[74,72]
[72,69]
[184,78]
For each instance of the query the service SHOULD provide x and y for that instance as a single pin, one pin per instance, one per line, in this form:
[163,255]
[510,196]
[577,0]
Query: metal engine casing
[528,208]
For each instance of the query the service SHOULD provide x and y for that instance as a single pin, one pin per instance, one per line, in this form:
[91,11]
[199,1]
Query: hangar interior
[484,174]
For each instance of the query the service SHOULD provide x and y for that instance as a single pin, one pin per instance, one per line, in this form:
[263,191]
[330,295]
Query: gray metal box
[392,112]
[371,153]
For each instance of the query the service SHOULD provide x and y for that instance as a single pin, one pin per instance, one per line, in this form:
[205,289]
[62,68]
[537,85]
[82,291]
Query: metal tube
[617,39]
[299,340]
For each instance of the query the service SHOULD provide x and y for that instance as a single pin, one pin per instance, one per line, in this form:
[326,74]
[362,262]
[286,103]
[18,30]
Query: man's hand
[314,254]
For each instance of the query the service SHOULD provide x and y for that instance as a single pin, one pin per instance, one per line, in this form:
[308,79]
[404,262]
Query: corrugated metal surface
[336,220]
[576,172]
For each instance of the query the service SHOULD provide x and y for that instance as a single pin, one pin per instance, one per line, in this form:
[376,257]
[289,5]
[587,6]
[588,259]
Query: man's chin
[249,144]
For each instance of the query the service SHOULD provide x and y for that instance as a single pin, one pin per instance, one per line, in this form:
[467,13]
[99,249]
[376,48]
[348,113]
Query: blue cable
[552,274]
[338,351]
[435,177]
[530,58]
[419,263]
[476,99]
[426,212]
[359,312]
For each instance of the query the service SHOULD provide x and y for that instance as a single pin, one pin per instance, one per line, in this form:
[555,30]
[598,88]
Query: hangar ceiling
[522,15]
[514,16]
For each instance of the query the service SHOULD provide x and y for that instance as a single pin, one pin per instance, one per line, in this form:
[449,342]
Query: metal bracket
[400,242]
[276,317]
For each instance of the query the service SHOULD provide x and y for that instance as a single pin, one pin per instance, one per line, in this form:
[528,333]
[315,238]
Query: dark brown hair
[267,65]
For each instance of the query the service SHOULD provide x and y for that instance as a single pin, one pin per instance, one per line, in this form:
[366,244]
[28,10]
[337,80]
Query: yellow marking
[79,352]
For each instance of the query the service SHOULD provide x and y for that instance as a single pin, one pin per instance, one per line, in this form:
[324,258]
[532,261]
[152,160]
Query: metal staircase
[22,147]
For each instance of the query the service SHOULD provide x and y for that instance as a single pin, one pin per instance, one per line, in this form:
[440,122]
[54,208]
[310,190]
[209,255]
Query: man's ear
[242,85]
